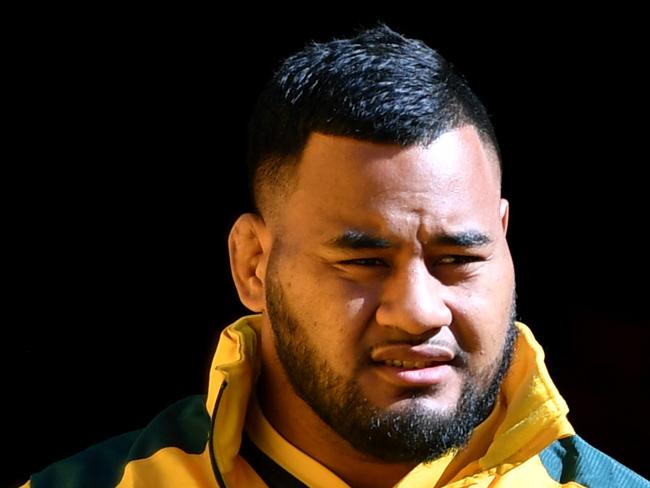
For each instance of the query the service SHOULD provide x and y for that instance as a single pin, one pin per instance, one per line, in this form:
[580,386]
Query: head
[377,87]
[377,255]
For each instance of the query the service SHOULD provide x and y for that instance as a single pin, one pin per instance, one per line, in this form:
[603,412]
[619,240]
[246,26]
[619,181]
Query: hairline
[283,170]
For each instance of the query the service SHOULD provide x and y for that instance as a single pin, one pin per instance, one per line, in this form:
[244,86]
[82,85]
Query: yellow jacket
[526,441]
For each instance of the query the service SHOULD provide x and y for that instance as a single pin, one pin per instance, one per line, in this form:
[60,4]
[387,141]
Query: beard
[414,433]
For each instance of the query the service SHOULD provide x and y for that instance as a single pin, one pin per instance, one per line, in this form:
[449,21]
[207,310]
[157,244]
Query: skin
[418,290]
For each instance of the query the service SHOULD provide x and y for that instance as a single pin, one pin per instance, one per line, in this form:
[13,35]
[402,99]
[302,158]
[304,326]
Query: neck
[306,431]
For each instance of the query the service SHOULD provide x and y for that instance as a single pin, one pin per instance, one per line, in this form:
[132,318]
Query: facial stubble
[413,433]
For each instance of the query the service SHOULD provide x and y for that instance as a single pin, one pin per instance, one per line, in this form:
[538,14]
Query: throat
[308,436]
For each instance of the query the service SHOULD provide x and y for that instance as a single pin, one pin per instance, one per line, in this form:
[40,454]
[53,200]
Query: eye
[367,262]
[458,259]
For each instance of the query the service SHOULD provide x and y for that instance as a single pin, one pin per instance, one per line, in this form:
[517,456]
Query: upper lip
[408,352]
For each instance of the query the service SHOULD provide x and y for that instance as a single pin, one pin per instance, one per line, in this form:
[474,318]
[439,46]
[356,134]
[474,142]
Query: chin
[433,402]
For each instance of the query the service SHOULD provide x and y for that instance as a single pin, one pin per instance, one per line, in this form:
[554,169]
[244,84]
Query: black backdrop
[126,173]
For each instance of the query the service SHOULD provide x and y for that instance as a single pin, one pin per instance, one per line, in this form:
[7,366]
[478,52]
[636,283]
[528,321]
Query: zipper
[213,459]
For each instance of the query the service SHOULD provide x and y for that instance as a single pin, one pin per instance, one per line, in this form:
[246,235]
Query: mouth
[408,366]
[407,376]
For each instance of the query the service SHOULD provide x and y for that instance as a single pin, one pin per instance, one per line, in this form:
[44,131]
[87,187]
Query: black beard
[410,435]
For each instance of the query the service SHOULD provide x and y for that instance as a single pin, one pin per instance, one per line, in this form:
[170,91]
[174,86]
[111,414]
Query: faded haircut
[378,87]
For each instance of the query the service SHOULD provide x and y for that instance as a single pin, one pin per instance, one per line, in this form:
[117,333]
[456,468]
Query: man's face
[390,291]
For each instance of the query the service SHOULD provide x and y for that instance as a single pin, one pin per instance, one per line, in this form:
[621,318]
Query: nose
[413,301]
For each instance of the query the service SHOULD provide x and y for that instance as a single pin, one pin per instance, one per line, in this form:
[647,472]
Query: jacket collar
[529,415]
[234,369]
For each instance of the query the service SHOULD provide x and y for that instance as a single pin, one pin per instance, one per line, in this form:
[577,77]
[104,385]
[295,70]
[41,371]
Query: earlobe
[249,247]
[504,213]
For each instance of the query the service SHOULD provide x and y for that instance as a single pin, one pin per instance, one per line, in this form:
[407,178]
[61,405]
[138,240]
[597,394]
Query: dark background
[125,173]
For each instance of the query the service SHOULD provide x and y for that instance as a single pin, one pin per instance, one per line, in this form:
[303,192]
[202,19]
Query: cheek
[345,302]
[481,320]
[355,307]
[334,313]
[361,301]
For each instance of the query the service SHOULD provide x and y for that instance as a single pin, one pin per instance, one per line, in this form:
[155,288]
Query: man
[385,352]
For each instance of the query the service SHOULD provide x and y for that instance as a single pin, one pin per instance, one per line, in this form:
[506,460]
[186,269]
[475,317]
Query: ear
[249,244]
[504,212]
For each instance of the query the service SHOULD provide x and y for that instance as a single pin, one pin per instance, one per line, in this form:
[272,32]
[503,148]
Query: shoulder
[185,425]
[573,459]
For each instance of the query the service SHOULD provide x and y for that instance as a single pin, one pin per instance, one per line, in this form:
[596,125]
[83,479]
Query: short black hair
[378,86]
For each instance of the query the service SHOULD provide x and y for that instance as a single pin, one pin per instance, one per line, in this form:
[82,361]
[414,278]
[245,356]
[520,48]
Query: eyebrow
[467,239]
[357,239]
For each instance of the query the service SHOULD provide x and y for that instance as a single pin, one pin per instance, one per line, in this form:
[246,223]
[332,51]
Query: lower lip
[404,377]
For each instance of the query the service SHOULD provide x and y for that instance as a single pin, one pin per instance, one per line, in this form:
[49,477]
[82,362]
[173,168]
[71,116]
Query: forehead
[343,181]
